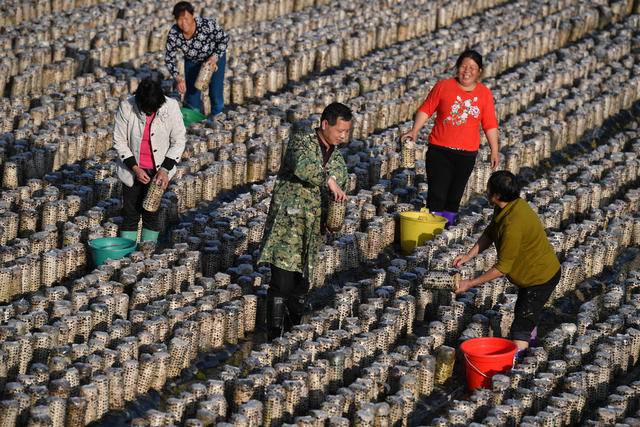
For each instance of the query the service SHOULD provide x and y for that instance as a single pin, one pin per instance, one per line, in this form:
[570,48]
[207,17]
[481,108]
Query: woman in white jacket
[149,136]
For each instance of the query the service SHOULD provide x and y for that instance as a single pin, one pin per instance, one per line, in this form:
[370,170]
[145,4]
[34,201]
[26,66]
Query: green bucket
[110,247]
[191,116]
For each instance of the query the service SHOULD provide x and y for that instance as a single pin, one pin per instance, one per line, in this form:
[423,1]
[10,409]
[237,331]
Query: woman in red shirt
[462,104]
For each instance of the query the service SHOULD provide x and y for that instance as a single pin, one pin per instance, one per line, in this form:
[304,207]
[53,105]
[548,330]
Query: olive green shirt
[524,253]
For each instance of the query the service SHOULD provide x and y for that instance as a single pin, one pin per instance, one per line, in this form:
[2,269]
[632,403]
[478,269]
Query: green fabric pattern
[294,226]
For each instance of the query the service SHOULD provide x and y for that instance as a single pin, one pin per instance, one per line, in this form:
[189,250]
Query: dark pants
[447,174]
[291,286]
[529,306]
[132,198]
[192,97]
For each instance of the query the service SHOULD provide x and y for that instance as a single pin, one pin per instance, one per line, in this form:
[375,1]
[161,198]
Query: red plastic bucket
[485,357]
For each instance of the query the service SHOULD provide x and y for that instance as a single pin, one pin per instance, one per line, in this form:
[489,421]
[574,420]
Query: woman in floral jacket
[462,104]
[312,170]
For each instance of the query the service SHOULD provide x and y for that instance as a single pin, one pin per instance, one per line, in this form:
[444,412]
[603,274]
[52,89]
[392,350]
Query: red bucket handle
[474,368]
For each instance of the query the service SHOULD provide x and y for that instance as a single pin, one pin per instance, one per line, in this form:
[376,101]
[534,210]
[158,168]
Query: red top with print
[459,114]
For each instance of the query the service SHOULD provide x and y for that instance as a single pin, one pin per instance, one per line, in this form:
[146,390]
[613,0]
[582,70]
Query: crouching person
[524,255]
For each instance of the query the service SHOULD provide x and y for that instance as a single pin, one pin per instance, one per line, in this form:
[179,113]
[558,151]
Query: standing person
[149,136]
[312,167]
[524,255]
[202,41]
[461,104]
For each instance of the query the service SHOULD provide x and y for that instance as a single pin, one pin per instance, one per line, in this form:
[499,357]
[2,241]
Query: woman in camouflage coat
[311,168]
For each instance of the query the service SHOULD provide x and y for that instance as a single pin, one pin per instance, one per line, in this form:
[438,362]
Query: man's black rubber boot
[296,306]
[275,317]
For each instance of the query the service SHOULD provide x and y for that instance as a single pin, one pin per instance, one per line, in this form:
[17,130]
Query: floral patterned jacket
[209,39]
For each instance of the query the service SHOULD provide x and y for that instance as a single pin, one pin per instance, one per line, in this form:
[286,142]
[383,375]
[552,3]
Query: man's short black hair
[149,96]
[334,111]
[505,185]
[470,53]
[182,7]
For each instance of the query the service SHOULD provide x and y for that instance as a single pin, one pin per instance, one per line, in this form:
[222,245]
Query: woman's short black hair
[505,185]
[334,111]
[182,7]
[470,53]
[149,95]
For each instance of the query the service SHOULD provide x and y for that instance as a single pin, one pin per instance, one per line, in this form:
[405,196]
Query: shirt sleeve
[489,120]
[433,99]
[177,137]
[508,246]
[120,137]
[170,53]
[219,38]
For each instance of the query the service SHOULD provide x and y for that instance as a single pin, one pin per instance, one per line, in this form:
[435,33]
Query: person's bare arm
[418,123]
[483,243]
[492,273]
[492,138]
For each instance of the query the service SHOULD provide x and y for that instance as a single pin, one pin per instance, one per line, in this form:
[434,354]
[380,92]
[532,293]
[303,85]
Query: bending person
[312,170]
[524,255]
[202,41]
[462,104]
[149,136]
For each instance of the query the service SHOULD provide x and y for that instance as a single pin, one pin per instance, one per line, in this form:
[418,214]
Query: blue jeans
[192,97]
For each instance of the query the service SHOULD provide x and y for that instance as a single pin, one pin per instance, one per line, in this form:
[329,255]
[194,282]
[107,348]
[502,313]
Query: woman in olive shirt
[524,254]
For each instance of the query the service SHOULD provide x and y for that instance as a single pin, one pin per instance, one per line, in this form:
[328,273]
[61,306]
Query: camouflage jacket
[294,226]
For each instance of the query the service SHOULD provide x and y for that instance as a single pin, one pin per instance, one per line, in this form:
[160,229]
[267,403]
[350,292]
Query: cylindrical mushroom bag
[204,78]
[152,199]
[335,214]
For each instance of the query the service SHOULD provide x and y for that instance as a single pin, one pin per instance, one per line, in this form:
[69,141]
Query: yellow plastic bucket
[419,227]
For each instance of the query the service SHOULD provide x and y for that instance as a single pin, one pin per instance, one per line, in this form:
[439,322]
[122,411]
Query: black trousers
[291,286]
[447,174]
[132,198]
[529,306]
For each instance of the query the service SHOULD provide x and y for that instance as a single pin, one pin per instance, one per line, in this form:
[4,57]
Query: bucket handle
[474,368]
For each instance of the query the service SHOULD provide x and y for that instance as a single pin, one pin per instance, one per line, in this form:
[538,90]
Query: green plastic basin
[110,247]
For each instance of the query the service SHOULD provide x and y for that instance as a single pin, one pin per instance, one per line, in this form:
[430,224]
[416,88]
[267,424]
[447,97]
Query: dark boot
[275,317]
[296,308]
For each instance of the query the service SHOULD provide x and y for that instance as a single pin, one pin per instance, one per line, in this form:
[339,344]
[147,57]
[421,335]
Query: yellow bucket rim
[422,217]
